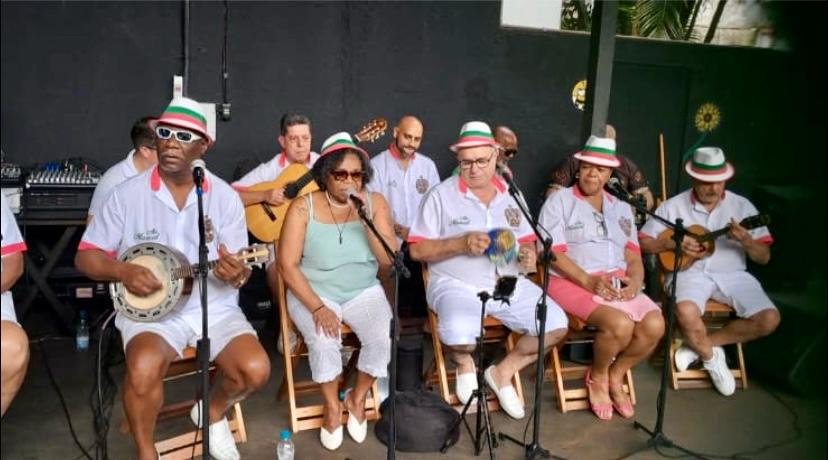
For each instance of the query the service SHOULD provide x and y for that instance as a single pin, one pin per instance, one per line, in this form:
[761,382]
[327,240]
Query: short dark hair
[331,161]
[289,119]
[142,133]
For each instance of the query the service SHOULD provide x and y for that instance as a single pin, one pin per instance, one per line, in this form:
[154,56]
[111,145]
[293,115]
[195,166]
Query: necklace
[339,229]
[334,205]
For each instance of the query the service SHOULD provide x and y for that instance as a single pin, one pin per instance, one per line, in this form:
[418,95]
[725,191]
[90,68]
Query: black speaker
[409,364]
[254,297]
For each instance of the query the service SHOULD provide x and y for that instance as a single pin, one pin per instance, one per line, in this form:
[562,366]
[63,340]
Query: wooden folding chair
[181,447]
[306,415]
[570,391]
[716,315]
[437,375]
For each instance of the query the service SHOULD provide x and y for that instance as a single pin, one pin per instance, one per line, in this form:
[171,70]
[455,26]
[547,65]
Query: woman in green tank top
[330,263]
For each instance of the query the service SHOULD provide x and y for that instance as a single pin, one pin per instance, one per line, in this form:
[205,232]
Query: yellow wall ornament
[579,94]
[707,117]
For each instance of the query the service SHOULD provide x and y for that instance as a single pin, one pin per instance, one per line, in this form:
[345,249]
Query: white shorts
[7,304]
[458,308]
[738,289]
[178,333]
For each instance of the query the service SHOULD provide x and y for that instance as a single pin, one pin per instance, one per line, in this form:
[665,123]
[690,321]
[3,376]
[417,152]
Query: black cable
[62,400]
[103,392]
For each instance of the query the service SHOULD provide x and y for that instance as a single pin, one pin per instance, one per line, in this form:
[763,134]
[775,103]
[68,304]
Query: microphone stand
[534,450]
[203,345]
[657,437]
[398,269]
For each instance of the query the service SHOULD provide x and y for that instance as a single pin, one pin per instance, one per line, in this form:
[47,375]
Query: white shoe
[684,357]
[222,443]
[356,429]
[330,440]
[507,396]
[465,385]
[719,372]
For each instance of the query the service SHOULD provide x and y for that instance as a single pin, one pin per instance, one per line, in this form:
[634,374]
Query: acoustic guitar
[175,272]
[707,239]
[264,220]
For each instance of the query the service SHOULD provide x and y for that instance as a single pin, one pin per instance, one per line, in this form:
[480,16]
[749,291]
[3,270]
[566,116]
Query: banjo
[175,272]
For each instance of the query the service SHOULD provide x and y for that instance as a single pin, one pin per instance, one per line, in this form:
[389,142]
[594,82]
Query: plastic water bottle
[82,336]
[285,449]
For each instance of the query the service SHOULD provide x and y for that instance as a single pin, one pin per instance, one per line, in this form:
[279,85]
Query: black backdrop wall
[75,75]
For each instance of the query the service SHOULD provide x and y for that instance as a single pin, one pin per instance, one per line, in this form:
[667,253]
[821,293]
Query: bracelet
[317,309]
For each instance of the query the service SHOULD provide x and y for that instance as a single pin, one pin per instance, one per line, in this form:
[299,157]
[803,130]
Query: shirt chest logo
[209,230]
[463,220]
[422,185]
[575,226]
[148,235]
[513,216]
[626,226]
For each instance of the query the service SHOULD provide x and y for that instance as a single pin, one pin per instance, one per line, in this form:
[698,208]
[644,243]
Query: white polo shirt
[12,242]
[143,210]
[450,209]
[403,188]
[729,255]
[269,171]
[113,176]
[594,240]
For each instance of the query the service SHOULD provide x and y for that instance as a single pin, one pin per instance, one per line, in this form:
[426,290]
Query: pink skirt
[577,301]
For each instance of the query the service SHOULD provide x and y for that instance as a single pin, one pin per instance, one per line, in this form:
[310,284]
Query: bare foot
[598,392]
[332,417]
[620,400]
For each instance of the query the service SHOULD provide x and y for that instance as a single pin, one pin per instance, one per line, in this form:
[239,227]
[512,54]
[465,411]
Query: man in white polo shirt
[140,158]
[15,355]
[722,275]
[403,175]
[451,233]
[160,206]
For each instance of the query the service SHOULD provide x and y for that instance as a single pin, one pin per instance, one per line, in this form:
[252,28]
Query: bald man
[508,141]
[403,175]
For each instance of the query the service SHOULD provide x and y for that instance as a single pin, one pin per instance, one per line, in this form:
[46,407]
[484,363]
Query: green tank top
[336,271]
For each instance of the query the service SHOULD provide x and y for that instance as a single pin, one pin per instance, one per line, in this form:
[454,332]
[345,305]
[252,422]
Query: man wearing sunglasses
[452,233]
[160,206]
[403,176]
[140,158]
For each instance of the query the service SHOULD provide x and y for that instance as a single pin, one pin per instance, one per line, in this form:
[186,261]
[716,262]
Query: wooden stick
[662,165]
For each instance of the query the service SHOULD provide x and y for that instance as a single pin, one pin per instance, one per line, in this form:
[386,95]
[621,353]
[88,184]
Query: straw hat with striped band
[339,141]
[599,151]
[185,113]
[474,134]
[709,165]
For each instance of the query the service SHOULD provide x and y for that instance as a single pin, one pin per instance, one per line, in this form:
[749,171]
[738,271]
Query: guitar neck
[293,189]
[713,235]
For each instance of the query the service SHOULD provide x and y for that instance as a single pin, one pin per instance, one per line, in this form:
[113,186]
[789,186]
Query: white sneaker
[465,385]
[222,443]
[719,372]
[684,357]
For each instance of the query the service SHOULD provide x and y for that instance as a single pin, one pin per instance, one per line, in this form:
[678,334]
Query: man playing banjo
[160,206]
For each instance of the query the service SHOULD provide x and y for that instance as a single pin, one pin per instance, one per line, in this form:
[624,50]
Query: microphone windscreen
[502,246]
[198,163]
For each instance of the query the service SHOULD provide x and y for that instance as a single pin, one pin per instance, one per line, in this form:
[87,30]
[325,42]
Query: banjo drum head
[162,261]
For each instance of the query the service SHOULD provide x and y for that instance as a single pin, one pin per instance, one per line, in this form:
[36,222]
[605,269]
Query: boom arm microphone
[615,188]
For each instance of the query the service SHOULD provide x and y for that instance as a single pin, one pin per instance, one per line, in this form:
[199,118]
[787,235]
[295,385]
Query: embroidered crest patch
[422,185]
[513,216]
[626,226]
[209,231]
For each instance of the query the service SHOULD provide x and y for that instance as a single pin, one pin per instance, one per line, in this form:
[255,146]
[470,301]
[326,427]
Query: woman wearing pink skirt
[598,276]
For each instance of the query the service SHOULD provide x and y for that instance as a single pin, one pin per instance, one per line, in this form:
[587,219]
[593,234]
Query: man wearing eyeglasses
[160,206]
[452,233]
[403,176]
[295,141]
[140,158]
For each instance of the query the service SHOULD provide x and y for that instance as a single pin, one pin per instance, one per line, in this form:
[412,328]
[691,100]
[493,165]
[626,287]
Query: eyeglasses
[602,226]
[509,153]
[480,162]
[181,136]
[341,175]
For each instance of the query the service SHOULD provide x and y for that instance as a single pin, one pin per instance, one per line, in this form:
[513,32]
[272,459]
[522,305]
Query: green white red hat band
[185,113]
[339,141]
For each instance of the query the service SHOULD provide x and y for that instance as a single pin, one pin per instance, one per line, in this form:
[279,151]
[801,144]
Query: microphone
[198,165]
[352,195]
[504,171]
[617,190]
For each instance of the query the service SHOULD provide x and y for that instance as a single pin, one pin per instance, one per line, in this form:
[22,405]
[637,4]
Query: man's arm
[758,251]
[96,264]
[471,243]
[273,196]
[12,270]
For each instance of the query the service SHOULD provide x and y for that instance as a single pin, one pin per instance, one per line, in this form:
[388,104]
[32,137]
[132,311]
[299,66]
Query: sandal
[624,408]
[602,411]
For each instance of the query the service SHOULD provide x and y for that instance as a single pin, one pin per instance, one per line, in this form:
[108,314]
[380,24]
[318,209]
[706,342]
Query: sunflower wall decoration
[579,94]
[707,117]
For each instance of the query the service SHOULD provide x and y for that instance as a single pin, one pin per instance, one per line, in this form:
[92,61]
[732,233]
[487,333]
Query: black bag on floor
[423,422]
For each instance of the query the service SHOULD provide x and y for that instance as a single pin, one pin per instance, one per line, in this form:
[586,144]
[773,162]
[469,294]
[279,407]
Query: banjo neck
[189,271]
